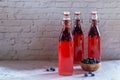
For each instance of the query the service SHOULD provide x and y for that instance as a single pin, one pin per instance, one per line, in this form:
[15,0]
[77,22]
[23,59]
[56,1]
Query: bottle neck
[77,23]
[94,22]
[66,23]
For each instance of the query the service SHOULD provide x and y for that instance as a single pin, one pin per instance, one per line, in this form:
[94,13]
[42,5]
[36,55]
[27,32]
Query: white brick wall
[29,29]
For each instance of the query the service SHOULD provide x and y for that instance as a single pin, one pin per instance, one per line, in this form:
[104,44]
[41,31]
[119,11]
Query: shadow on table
[77,71]
[27,65]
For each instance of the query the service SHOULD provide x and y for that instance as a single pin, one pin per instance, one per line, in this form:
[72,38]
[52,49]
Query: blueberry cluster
[89,73]
[50,69]
[90,61]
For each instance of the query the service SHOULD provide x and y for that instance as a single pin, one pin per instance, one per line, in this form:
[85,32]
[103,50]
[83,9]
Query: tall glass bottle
[94,38]
[65,48]
[78,39]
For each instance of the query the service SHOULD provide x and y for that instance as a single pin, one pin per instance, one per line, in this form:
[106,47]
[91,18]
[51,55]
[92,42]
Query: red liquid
[94,42]
[94,47]
[65,53]
[78,42]
[78,47]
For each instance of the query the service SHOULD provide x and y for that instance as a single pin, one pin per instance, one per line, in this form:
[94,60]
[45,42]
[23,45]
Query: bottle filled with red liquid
[78,39]
[65,48]
[94,38]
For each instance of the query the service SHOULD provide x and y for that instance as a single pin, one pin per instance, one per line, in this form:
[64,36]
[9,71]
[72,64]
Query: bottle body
[65,53]
[65,50]
[78,48]
[78,38]
[78,45]
[94,47]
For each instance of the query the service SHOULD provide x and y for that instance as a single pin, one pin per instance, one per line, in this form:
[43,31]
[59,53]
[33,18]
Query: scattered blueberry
[47,69]
[89,72]
[86,75]
[92,74]
[53,69]
[50,69]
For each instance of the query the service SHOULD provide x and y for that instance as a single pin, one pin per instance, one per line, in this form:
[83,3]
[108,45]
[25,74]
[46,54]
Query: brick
[112,23]
[63,4]
[41,28]
[79,4]
[3,16]
[26,29]
[50,16]
[10,55]
[19,4]
[28,35]
[11,16]
[2,29]
[32,5]
[36,44]
[11,35]
[95,5]
[109,10]
[52,34]
[10,22]
[53,28]
[5,45]
[30,55]
[13,29]
[111,5]
[1,36]
[47,47]
[110,16]
[34,29]
[12,41]
[19,46]
[40,23]
[27,17]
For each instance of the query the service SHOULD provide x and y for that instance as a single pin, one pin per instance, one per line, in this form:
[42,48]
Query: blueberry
[92,74]
[89,72]
[87,61]
[47,69]
[88,58]
[94,59]
[86,75]
[82,61]
[53,69]
[90,61]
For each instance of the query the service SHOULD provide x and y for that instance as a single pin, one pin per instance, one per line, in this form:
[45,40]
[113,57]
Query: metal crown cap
[94,15]
[66,13]
[94,12]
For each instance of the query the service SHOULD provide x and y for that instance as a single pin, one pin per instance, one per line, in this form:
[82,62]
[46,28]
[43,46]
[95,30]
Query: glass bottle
[94,38]
[78,39]
[65,48]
